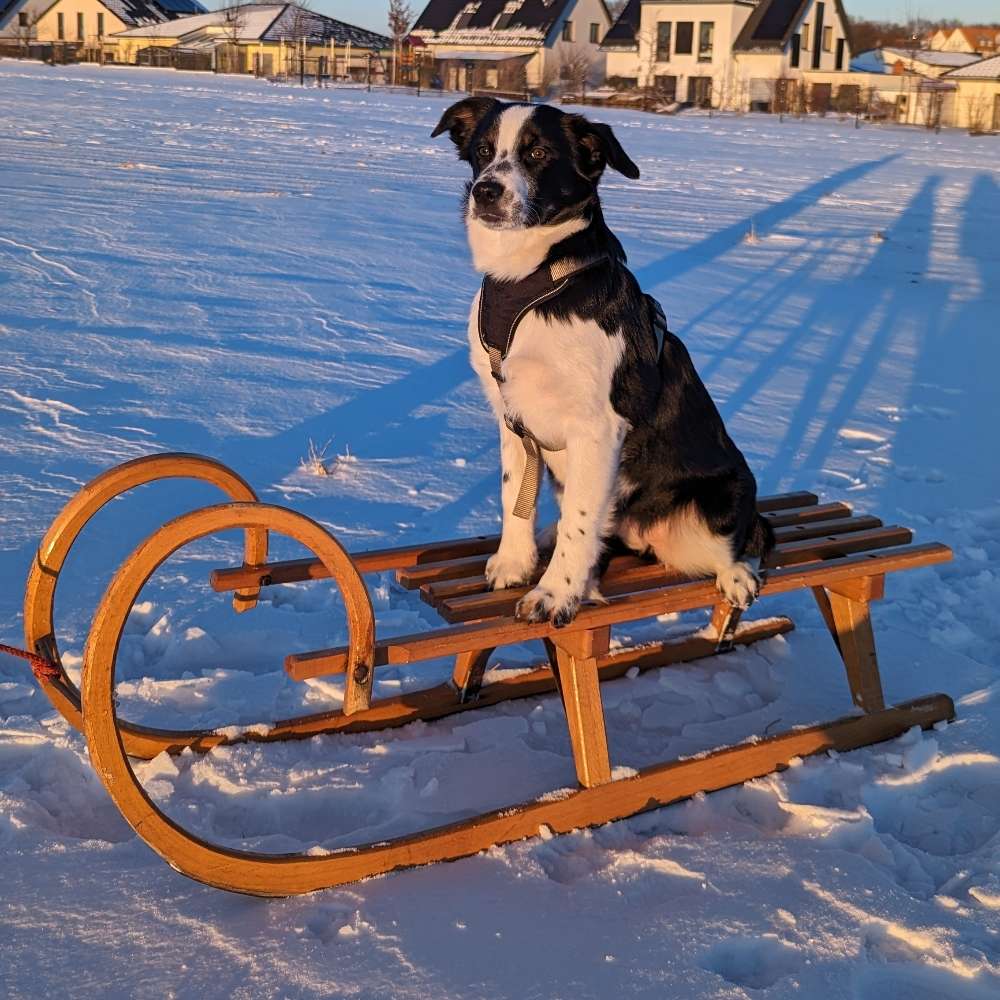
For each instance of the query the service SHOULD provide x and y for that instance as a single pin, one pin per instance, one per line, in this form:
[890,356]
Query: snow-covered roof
[931,57]
[489,22]
[476,55]
[985,69]
[133,13]
[882,60]
[249,23]
[263,22]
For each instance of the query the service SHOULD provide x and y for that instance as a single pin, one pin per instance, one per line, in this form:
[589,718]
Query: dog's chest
[556,377]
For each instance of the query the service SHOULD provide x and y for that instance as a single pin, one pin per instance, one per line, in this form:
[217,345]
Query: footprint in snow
[754,962]
[920,809]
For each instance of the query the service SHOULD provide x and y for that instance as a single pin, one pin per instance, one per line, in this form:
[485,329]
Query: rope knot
[43,668]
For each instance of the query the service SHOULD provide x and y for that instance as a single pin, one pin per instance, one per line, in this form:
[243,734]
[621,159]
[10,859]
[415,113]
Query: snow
[257,273]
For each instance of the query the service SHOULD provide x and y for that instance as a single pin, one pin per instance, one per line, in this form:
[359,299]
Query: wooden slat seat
[673,597]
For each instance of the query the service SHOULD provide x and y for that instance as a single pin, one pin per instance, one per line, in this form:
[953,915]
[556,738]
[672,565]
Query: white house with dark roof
[726,53]
[83,24]
[509,46]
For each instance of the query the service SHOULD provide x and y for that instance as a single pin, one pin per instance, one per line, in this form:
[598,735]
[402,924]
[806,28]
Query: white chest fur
[557,381]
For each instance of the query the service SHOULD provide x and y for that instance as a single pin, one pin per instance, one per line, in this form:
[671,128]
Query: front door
[700,91]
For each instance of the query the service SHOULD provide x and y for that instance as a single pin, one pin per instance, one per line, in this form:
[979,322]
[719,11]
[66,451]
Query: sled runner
[841,557]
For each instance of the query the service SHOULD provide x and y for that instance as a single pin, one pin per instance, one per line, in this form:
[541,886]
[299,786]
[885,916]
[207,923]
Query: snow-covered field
[240,269]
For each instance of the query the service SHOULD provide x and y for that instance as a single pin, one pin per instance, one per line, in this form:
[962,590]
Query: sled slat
[678,597]
[434,587]
[380,560]
[644,576]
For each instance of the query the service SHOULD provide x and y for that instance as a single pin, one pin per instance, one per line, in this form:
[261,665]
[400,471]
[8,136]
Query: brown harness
[502,306]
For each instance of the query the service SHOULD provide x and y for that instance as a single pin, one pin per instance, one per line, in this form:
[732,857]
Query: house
[727,53]
[514,46]
[84,24]
[985,41]
[264,38]
[977,97]
[924,62]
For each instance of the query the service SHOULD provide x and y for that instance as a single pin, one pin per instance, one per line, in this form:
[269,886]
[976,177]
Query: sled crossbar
[841,557]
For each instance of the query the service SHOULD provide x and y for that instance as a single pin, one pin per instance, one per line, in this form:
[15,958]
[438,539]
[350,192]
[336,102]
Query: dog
[579,367]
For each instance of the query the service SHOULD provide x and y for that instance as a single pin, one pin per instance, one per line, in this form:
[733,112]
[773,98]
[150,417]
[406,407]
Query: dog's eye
[484,152]
[538,153]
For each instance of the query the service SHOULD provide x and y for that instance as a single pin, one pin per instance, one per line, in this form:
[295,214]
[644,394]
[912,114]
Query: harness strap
[527,495]
[558,276]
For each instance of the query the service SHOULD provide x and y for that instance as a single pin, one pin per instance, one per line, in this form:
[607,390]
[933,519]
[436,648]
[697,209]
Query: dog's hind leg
[684,542]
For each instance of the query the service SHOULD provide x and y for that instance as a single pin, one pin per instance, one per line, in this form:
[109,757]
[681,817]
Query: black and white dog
[574,355]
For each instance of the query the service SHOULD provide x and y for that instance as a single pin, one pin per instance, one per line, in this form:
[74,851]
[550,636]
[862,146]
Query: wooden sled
[842,558]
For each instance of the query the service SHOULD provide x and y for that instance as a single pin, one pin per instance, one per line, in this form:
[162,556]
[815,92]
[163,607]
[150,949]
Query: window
[22,20]
[595,33]
[817,40]
[505,19]
[663,30]
[61,27]
[465,17]
[828,39]
[706,34]
[567,33]
[492,78]
[841,46]
[685,38]
[796,50]
[79,27]
[666,87]
[100,25]
[805,36]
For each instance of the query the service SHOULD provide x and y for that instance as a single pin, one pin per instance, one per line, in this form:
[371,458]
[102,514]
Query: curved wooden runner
[39,599]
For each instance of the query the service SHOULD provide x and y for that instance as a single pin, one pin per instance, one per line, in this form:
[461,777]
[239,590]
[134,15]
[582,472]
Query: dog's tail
[761,539]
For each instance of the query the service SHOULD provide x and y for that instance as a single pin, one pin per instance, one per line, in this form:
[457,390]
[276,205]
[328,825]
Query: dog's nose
[487,192]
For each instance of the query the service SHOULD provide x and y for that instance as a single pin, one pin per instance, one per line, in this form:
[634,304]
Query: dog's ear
[462,119]
[598,147]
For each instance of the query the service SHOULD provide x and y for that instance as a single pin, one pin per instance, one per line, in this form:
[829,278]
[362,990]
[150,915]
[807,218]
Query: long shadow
[839,373]
[680,261]
[951,407]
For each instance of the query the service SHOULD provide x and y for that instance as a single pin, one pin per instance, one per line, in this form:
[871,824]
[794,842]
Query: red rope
[43,669]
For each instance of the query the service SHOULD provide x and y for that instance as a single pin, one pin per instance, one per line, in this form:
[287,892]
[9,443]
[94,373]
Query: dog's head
[532,164]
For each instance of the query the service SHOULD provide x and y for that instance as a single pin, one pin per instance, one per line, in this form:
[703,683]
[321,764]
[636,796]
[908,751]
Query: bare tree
[400,19]
[299,27]
[576,66]
[234,19]
[27,29]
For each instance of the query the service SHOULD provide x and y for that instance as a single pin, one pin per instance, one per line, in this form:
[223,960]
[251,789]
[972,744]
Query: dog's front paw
[739,585]
[542,605]
[506,569]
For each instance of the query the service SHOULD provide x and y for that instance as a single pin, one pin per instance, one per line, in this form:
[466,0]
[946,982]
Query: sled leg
[467,677]
[725,620]
[848,612]
[580,688]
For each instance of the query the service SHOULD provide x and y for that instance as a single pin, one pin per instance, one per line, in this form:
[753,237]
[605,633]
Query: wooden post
[725,621]
[467,677]
[579,686]
[848,613]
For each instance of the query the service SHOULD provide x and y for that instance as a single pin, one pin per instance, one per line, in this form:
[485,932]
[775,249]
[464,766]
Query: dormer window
[464,19]
[504,20]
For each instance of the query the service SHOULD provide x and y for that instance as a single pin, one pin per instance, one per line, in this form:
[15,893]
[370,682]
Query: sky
[372,13]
